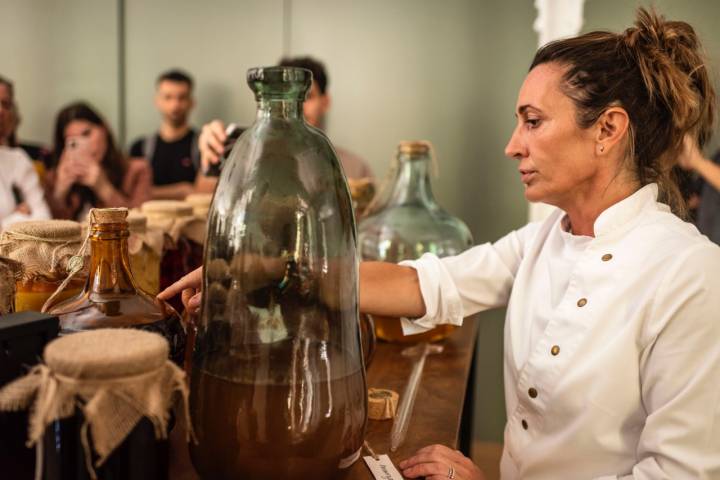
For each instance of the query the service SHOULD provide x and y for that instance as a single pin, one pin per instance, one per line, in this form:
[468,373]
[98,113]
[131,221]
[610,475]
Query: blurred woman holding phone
[89,170]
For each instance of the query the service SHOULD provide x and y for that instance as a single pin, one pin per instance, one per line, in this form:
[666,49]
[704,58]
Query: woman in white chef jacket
[612,336]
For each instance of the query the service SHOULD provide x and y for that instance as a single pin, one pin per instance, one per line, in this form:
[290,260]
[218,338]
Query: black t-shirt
[171,162]
[38,153]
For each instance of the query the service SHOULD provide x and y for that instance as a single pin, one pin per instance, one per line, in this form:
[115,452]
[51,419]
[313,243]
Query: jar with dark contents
[145,245]
[109,413]
[184,237]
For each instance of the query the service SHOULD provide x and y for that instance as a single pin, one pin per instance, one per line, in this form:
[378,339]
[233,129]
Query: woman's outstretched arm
[390,290]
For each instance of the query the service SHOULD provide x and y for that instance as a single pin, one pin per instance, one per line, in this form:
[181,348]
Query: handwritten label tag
[382,468]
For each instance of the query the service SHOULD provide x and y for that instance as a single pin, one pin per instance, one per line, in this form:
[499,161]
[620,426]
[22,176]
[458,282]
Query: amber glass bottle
[111,299]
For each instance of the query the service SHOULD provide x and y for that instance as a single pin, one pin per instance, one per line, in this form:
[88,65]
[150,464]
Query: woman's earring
[602,148]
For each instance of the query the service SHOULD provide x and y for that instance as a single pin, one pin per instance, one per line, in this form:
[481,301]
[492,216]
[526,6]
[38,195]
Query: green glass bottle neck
[110,260]
[287,109]
[412,182]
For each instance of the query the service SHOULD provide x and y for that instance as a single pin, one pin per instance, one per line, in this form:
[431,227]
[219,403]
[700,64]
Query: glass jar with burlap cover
[45,249]
[10,272]
[184,237]
[145,246]
[108,393]
[200,203]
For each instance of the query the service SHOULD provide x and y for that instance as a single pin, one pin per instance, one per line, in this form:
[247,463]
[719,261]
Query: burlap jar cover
[45,249]
[10,272]
[145,246]
[176,219]
[115,377]
[200,203]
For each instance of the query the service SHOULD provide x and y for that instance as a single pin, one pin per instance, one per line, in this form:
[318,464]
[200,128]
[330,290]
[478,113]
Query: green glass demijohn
[278,387]
[408,223]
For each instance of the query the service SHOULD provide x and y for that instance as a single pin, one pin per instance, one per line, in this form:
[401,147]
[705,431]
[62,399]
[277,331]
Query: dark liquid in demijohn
[306,428]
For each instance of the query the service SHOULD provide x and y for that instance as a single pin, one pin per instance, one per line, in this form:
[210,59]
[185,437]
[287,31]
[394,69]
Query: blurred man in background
[173,150]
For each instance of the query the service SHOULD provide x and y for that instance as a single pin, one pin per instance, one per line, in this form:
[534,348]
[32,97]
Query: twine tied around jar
[115,377]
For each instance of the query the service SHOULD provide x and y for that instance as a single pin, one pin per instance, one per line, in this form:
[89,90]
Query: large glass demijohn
[278,384]
[407,223]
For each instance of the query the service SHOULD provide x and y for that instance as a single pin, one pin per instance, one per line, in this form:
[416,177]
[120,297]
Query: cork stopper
[106,216]
[382,403]
[414,148]
[167,208]
[106,353]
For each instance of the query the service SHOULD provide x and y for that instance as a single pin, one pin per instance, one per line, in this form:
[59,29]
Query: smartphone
[79,146]
[233,132]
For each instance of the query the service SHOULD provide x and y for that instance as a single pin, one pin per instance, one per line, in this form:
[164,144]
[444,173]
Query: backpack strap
[149,145]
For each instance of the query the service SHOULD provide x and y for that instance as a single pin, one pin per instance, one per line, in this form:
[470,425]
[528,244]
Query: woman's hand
[438,462]
[211,143]
[23,208]
[93,176]
[189,285]
[690,156]
[67,174]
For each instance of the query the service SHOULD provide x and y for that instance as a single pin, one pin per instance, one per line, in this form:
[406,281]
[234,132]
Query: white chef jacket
[612,343]
[16,169]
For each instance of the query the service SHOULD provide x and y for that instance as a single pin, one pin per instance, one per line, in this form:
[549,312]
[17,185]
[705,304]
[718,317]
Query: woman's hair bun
[674,70]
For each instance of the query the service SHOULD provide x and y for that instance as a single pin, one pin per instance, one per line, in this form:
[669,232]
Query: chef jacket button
[607,257]
[524,424]
[555,350]
[533,393]
[582,302]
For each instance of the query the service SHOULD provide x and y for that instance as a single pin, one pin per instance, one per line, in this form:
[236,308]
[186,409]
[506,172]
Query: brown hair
[657,73]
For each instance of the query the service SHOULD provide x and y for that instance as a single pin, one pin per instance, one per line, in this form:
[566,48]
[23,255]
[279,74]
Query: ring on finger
[451,473]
